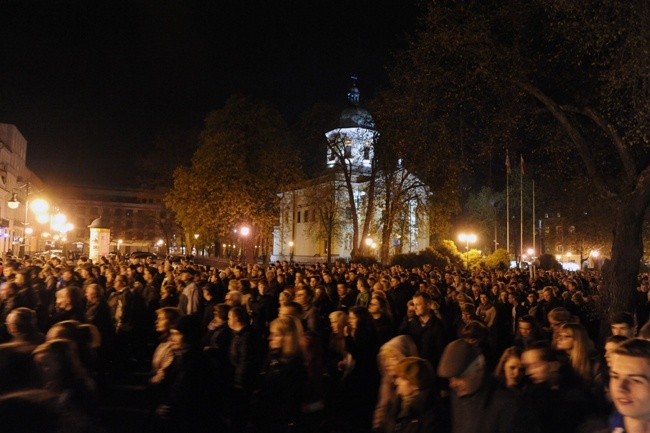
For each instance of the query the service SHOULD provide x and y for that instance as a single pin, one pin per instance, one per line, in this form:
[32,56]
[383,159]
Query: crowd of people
[341,348]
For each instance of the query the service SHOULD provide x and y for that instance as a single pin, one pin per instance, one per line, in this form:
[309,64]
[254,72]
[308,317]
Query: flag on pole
[507,163]
[523,165]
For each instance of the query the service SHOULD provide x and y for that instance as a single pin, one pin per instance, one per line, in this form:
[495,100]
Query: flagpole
[508,203]
[534,230]
[521,212]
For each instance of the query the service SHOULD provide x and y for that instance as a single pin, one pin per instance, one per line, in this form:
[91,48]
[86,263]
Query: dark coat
[281,393]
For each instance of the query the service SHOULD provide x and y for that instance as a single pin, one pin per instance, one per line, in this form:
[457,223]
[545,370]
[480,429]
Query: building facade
[316,217]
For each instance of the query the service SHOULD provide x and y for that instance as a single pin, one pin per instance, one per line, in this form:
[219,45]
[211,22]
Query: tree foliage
[564,81]
[242,161]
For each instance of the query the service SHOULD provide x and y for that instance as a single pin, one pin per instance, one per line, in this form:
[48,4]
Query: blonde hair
[291,330]
[340,317]
[580,354]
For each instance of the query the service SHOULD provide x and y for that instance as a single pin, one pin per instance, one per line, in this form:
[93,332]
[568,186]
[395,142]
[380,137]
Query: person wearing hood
[390,354]
[416,407]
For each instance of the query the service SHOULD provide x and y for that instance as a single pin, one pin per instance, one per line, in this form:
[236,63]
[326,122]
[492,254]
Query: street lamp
[471,238]
[244,231]
[290,251]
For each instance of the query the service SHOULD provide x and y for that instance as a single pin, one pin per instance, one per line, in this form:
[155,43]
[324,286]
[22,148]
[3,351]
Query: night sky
[90,83]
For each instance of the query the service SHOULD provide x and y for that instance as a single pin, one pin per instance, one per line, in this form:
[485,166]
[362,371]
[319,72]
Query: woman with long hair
[382,318]
[509,371]
[361,377]
[572,338]
[283,378]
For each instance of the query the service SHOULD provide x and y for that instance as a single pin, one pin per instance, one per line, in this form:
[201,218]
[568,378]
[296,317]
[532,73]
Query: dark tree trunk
[620,274]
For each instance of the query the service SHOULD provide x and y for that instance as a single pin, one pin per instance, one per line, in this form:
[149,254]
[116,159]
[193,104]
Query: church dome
[355,116]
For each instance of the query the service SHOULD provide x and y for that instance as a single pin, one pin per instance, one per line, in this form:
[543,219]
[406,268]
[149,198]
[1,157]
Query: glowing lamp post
[291,251]
[471,238]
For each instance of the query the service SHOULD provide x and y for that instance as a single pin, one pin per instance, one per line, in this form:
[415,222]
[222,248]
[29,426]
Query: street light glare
[39,206]
[245,231]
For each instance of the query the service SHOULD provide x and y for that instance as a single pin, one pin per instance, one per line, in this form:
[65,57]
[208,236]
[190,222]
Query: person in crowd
[528,331]
[283,379]
[189,394]
[416,406]
[189,301]
[556,394]
[363,298]
[98,313]
[390,354]
[346,297]
[381,315]
[21,327]
[509,371]
[360,380]
[572,339]
[478,405]
[245,357]
[63,373]
[168,296]
[163,355]
[69,305]
[622,323]
[629,386]
[427,330]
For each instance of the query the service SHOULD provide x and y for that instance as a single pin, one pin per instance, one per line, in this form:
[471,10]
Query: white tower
[355,137]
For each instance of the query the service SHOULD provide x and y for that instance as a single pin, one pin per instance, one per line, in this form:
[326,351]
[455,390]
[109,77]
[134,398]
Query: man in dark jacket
[427,330]
[245,358]
[477,404]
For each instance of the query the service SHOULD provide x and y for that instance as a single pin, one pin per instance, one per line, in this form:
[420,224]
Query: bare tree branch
[575,137]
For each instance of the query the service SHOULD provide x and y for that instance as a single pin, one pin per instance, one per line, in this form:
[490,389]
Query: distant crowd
[317,348]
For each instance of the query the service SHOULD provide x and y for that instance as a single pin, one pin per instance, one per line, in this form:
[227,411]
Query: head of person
[548,293]
[378,306]
[21,321]
[558,317]
[221,312]
[527,327]
[186,334]
[412,376]
[393,351]
[612,343]
[233,298]
[622,323]
[540,362]
[290,309]
[509,370]
[305,296]
[629,382]
[166,319]
[475,332]
[359,317]
[59,364]
[67,329]
[237,318]
[285,336]
[338,321]
[422,304]
[464,365]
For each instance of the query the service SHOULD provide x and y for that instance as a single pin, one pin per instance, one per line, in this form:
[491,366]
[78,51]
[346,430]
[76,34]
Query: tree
[543,77]
[359,184]
[326,198]
[242,161]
